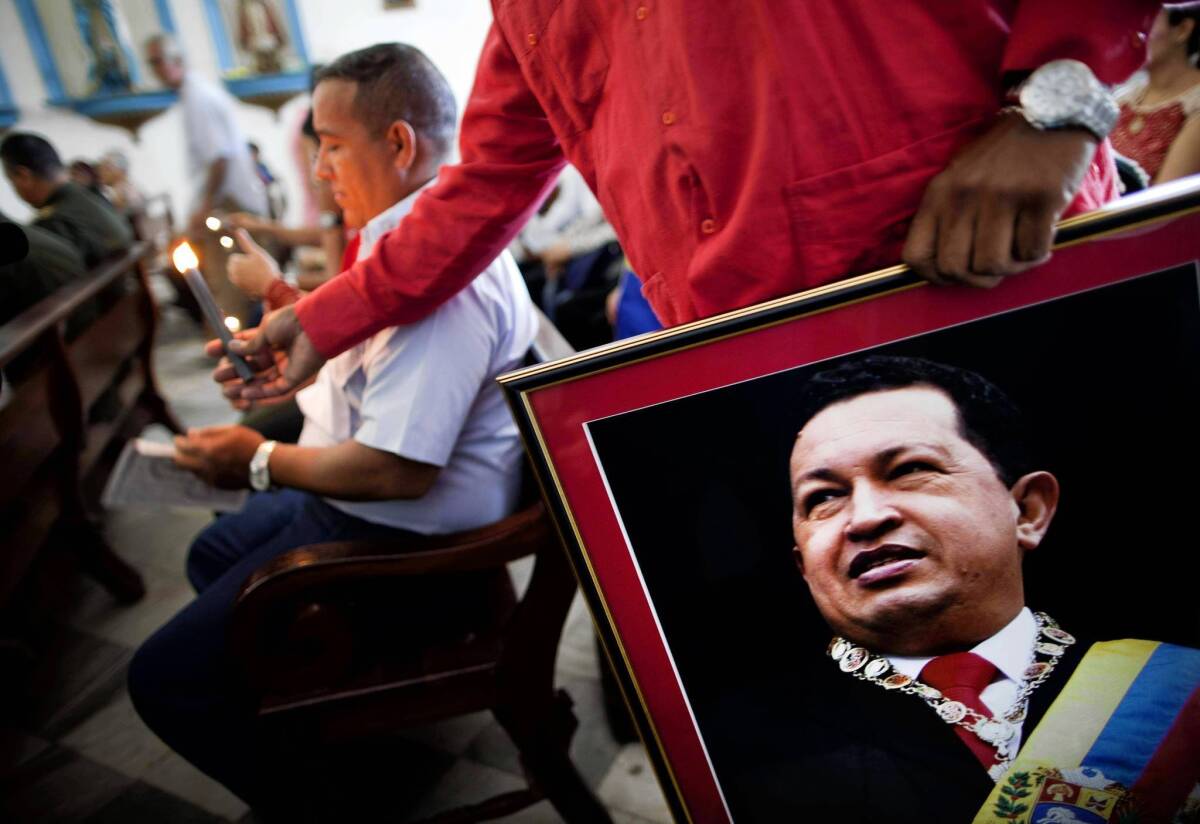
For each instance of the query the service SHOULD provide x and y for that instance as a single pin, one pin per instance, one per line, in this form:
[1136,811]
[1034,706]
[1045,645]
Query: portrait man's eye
[821,501]
[913,468]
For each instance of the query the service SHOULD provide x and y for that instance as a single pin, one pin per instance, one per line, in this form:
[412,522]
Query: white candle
[186,262]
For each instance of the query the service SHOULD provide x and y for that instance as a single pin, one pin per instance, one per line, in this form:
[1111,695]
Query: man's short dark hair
[398,82]
[987,418]
[31,151]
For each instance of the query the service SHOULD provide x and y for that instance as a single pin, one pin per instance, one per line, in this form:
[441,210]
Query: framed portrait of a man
[889,551]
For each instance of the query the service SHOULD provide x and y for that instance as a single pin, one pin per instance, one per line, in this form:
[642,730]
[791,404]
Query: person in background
[49,262]
[219,163]
[218,154]
[1158,126]
[566,252]
[86,220]
[264,174]
[276,202]
[86,175]
[118,188]
[319,244]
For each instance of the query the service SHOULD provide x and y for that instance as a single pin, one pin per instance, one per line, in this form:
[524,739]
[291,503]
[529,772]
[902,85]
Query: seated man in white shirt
[406,433]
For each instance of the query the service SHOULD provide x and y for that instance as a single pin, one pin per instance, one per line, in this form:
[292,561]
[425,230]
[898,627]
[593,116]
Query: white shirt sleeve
[420,391]
[213,132]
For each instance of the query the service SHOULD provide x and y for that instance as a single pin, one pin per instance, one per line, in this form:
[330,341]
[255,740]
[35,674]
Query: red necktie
[962,677]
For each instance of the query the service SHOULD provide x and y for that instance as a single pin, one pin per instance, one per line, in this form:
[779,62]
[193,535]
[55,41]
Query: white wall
[451,32]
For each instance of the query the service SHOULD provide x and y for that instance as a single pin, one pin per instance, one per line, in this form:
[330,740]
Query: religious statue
[103,30]
[261,35]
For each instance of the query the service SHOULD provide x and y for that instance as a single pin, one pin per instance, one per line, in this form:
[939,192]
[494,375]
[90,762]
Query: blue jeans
[182,680]
[634,315]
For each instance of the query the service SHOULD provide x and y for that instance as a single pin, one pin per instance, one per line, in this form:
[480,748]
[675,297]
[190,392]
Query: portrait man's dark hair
[32,152]
[988,419]
[398,82]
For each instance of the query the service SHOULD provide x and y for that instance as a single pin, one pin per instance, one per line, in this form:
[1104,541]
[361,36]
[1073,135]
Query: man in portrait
[945,697]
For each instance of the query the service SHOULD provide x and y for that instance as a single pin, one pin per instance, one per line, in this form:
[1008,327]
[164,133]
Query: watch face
[1066,93]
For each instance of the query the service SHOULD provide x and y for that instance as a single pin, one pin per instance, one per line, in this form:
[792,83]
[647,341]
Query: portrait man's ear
[799,559]
[1036,495]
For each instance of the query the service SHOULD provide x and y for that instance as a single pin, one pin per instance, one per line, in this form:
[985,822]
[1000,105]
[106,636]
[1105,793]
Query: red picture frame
[567,407]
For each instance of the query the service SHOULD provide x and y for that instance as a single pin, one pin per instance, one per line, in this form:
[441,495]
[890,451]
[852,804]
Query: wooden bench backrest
[49,384]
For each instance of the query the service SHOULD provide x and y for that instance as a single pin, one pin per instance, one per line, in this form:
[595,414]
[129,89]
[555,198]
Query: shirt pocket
[562,54]
[854,219]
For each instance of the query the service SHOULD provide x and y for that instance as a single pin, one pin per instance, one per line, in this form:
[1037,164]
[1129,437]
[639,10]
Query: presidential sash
[1121,743]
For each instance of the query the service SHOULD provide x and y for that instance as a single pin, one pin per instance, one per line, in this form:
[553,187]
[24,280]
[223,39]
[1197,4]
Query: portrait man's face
[905,534]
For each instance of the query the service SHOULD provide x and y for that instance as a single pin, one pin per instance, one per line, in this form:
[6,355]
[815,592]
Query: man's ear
[1036,496]
[798,557]
[1185,28]
[404,139]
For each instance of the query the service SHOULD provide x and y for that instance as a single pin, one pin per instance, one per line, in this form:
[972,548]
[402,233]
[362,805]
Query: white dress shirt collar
[1010,649]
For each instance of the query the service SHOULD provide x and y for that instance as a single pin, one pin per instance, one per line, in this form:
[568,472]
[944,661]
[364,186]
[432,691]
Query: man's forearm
[213,182]
[350,472]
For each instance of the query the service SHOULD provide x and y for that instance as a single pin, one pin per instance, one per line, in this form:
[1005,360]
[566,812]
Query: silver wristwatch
[1065,93]
[260,473]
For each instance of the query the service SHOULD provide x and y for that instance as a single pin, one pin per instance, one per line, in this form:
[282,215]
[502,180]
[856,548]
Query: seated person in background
[65,208]
[120,190]
[85,174]
[407,433]
[49,263]
[324,233]
[565,251]
[1158,126]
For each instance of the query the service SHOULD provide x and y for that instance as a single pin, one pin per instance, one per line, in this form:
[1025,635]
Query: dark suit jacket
[87,221]
[823,746]
[49,263]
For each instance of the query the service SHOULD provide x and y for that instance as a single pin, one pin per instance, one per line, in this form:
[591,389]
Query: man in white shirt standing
[406,433]
[219,162]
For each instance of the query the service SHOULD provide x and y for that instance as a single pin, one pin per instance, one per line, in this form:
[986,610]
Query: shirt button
[531,39]
[668,118]
[641,13]
[708,226]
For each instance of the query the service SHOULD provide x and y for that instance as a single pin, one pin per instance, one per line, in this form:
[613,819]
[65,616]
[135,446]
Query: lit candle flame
[232,323]
[184,258]
[213,223]
[227,241]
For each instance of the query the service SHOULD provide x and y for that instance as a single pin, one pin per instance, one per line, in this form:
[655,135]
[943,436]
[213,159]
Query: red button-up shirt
[741,150]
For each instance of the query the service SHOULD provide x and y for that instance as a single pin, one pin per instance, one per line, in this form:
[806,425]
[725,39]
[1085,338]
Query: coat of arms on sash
[1052,796]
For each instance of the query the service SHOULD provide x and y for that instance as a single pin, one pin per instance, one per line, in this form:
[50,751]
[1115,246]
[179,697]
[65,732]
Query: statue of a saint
[261,35]
[103,30]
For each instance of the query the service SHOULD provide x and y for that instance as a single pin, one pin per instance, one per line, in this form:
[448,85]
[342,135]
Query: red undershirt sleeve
[510,159]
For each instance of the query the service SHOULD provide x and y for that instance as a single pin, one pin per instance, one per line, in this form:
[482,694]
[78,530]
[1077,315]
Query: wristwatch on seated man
[260,472]
[1065,94]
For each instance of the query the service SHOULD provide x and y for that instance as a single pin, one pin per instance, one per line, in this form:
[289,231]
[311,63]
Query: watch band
[260,472]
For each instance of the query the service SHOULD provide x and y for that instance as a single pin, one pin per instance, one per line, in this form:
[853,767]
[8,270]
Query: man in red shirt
[746,151]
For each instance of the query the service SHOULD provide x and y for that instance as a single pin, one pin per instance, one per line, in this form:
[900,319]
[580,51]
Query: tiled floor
[76,750]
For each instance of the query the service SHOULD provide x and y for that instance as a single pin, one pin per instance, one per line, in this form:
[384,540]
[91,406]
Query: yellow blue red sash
[1121,743]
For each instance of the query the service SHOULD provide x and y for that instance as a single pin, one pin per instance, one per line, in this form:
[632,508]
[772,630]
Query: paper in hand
[146,475]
